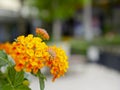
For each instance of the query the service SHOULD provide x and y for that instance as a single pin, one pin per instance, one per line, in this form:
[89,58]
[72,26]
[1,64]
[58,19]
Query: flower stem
[41,80]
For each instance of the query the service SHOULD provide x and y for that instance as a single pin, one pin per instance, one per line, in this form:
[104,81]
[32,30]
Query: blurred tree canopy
[56,9]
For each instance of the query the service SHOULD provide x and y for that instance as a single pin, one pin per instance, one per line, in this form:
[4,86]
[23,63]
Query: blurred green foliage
[80,46]
[56,9]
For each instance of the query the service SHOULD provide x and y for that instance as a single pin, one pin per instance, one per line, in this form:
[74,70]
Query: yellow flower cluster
[29,53]
[57,62]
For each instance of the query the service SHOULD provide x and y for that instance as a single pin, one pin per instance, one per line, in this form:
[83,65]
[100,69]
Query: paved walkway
[82,76]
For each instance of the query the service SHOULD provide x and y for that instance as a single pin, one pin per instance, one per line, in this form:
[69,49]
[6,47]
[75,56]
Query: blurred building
[8,18]
[16,19]
[104,18]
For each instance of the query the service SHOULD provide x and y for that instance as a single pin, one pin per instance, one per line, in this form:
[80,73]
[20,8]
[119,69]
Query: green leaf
[2,83]
[41,80]
[7,87]
[12,80]
[22,87]
[16,78]
[3,80]
[2,75]
[3,58]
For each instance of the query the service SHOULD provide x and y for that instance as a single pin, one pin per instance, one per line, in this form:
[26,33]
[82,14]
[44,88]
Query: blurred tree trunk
[21,20]
[21,26]
[57,30]
[87,19]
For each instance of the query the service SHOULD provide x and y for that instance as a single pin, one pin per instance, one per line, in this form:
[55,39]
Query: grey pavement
[83,76]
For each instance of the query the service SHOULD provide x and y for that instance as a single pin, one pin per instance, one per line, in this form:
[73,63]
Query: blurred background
[89,31]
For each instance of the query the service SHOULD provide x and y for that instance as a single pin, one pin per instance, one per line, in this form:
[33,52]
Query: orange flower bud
[42,33]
